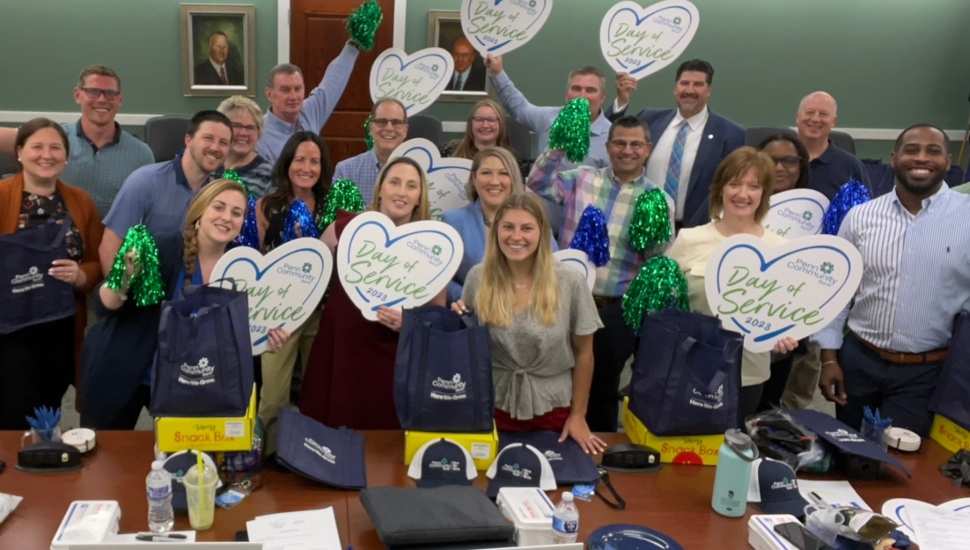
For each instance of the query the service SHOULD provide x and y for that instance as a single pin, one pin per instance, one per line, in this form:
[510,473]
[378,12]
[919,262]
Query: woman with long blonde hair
[541,318]
[350,374]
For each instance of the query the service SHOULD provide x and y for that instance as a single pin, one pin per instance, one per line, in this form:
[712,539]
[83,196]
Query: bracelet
[829,362]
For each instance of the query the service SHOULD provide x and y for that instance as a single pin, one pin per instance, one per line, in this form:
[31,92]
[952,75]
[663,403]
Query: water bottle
[565,520]
[733,474]
[161,518]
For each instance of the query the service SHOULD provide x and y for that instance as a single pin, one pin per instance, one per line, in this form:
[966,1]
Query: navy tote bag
[686,374]
[443,372]
[28,295]
[204,365]
[952,396]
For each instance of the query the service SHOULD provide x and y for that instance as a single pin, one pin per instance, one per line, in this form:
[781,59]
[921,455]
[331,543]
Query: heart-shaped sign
[415,80]
[578,260]
[791,290]
[380,264]
[796,213]
[641,41]
[284,286]
[499,26]
[447,177]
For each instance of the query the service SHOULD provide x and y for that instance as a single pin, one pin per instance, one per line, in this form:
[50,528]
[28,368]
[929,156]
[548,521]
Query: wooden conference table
[675,500]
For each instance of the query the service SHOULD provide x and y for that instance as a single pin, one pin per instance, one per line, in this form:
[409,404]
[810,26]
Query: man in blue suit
[689,142]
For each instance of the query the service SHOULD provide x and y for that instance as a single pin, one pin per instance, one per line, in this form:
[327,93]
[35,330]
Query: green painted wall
[888,62]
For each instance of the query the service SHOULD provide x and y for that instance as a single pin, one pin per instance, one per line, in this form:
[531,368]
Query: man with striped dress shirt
[915,245]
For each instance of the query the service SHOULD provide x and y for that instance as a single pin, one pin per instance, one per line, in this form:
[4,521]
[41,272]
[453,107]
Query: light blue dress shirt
[916,272]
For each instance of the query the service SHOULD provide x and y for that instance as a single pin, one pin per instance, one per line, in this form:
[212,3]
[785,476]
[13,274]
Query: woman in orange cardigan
[40,337]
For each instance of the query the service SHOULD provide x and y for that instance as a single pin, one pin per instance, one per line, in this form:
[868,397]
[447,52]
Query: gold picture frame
[444,29]
[218,49]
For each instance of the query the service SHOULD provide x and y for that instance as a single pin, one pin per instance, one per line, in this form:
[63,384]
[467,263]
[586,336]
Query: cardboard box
[949,434]
[482,446]
[207,434]
[687,449]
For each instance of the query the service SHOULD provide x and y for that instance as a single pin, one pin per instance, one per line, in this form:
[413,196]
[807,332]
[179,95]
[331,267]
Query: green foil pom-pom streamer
[650,223]
[368,139]
[362,24]
[570,131]
[146,284]
[659,285]
[343,195]
[230,174]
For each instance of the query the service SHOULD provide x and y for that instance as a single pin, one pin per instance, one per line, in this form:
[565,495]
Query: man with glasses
[102,154]
[614,190]
[388,128]
[829,167]
[691,141]
[289,113]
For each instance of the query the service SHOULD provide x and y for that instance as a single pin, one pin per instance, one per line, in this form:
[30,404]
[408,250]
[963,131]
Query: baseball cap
[519,465]
[179,463]
[570,464]
[774,487]
[442,462]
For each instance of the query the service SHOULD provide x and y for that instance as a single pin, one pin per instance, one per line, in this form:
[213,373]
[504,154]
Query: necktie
[672,182]
[222,75]
[457,84]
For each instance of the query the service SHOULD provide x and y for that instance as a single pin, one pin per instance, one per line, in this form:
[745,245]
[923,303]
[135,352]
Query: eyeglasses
[484,120]
[248,127]
[787,162]
[395,122]
[635,145]
[95,93]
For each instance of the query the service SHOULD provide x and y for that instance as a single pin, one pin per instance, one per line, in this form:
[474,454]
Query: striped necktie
[672,182]
[222,75]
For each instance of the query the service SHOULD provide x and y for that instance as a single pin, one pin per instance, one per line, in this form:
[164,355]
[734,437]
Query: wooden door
[317,34]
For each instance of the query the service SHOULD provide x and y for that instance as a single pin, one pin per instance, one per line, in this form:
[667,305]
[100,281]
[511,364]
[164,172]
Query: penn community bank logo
[827,268]
[807,216]
[307,267]
[200,374]
[320,450]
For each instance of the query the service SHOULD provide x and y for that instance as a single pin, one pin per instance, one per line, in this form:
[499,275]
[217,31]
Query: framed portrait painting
[470,81]
[218,49]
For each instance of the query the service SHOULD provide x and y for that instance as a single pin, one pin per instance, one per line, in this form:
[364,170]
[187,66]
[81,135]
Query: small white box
[762,535]
[531,511]
[87,521]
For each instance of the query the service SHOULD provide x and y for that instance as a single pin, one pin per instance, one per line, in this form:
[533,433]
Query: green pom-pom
[145,284]
[659,285]
[650,224]
[231,174]
[343,195]
[362,24]
[368,139]
[570,131]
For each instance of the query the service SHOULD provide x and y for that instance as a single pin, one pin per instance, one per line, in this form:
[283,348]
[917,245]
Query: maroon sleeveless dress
[349,377]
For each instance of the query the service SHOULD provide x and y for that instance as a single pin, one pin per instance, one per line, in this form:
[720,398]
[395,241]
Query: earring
[197,222]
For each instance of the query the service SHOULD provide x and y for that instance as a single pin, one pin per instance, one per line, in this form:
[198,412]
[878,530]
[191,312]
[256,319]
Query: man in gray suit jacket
[689,141]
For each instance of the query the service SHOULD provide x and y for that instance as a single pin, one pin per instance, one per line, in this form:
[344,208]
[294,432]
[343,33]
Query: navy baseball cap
[519,465]
[179,463]
[570,464]
[321,453]
[442,462]
[774,487]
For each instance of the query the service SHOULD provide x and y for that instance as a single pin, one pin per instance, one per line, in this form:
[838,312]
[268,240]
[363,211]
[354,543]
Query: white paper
[938,529]
[309,530]
[834,493]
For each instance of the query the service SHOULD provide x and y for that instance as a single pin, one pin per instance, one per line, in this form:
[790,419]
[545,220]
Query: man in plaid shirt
[613,190]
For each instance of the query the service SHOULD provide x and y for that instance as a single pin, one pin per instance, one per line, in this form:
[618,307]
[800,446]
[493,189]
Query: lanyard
[617,503]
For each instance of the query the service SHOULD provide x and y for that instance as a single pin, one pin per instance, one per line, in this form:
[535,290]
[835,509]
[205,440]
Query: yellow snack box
[207,434]
[676,449]
[949,434]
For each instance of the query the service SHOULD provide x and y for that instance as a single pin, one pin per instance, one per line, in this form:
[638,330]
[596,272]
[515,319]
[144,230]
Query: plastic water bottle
[161,518]
[565,520]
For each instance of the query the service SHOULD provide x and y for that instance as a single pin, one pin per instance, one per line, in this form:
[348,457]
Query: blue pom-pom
[851,194]
[592,236]
[249,235]
[299,214]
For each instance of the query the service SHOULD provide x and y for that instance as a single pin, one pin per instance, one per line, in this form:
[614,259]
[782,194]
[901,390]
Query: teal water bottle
[733,474]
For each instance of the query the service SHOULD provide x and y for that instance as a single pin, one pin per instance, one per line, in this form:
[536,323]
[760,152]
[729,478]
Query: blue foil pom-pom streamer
[299,214]
[249,236]
[592,236]
[850,195]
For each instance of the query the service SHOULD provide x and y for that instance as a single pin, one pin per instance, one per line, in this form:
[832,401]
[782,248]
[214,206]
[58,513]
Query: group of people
[557,348]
